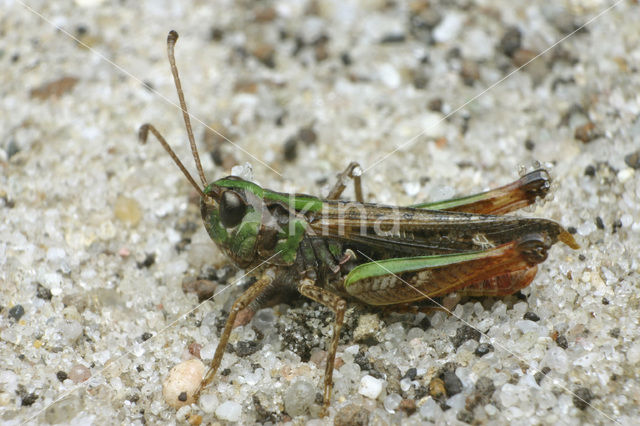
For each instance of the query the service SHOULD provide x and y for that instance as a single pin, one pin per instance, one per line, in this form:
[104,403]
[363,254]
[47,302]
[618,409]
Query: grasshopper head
[238,220]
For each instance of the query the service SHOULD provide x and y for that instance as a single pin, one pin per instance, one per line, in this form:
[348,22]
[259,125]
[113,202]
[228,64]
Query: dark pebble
[43,293]
[29,399]
[541,374]
[149,260]
[362,361]
[615,225]
[529,145]
[463,334]
[599,223]
[561,341]
[614,332]
[16,312]
[581,398]
[510,41]
[244,348]
[290,150]
[590,170]
[483,349]
[307,135]
[572,229]
[425,323]
[393,38]
[452,383]
[182,397]
[411,373]
[605,301]
[146,336]
[435,105]
[346,59]
[12,149]
[633,160]
[531,316]
[61,375]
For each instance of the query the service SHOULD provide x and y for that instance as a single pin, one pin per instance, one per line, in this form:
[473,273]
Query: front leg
[242,302]
[338,306]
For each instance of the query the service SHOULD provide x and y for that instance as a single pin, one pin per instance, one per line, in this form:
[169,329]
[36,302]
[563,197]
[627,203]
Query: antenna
[172,38]
[143,133]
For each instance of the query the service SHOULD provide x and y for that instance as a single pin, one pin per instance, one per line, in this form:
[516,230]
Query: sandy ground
[98,233]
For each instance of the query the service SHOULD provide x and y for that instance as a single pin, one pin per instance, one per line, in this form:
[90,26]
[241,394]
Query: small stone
[370,387]
[61,375]
[463,334]
[452,383]
[43,293]
[146,336]
[149,260]
[633,160]
[483,349]
[392,402]
[127,210]
[205,289]
[408,406]
[244,348]
[79,373]
[183,380]
[529,145]
[29,399]
[561,341]
[16,312]
[448,28]
[633,353]
[430,410]
[531,316]
[510,41]
[582,397]
[541,374]
[208,402]
[586,133]
[299,398]
[307,135]
[411,373]
[437,389]
[229,411]
[352,415]
[367,329]
[590,171]
[290,150]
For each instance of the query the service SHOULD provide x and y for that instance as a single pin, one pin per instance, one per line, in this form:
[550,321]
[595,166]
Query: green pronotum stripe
[448,204]
[408,264]
[311,204]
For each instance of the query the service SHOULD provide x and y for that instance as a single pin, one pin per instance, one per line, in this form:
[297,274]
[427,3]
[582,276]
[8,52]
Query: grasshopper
[331,250]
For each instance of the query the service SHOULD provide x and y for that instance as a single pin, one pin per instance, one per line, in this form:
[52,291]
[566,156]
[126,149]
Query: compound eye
[232,209]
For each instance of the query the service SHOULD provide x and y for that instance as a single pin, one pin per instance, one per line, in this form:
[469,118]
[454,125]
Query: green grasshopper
[331,250]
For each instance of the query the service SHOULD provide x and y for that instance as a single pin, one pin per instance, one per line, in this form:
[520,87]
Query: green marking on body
[449,204]
[298,202]
[408,264]
[288,247]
